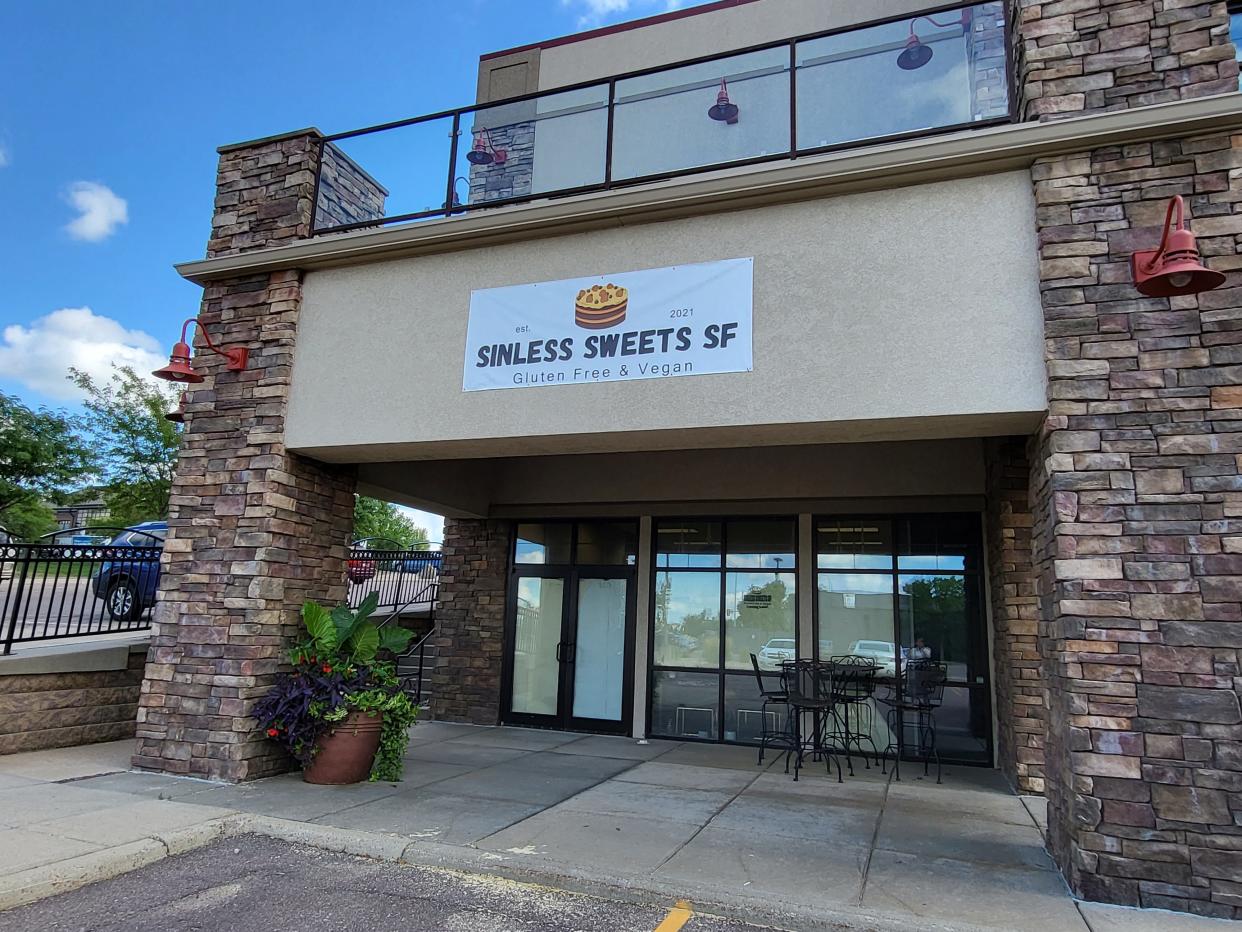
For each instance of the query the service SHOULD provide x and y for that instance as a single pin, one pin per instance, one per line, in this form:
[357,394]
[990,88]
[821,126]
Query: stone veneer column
[1135,487]
[1021,699]
[1138,502]
[1080,56]
[253,529]
[465,685]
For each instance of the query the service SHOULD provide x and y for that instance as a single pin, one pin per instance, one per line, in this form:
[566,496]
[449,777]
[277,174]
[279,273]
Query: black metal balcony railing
[943,70]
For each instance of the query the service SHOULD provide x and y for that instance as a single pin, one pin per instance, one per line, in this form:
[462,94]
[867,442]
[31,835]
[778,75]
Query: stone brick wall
[68,707]
[1138,531]
[347,194]
[469,644]
[985,54]
[1079,56]
[253,529]
[515,178]
[1021,700]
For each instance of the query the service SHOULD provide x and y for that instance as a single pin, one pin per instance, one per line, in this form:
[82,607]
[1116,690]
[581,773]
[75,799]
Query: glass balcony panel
[553,143]
[918,74]
[671,121]
[384,174]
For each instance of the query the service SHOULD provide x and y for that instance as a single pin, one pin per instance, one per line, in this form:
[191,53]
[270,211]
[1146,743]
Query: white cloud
[100,211]
[432,523]
[595,12]
[4,156]
[39,355]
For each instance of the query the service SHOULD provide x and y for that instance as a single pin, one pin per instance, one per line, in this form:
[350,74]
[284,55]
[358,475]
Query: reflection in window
[685,705]
[760,618]
[759,544]
[687,620]
[607,543]
[682,544]
[859,544]
[662,121]
[538,630]
[856,617]
[918,74]
[735,580]
[934,621]
[543,543]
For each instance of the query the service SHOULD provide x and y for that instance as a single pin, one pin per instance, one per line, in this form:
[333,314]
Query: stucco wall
[908,307]
[706,34]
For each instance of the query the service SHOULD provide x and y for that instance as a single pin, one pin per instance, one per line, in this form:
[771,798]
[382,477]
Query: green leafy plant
[347,638]
[399,714]
[337,670]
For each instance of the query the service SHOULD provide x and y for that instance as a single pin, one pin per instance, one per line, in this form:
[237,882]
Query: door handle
[559,649]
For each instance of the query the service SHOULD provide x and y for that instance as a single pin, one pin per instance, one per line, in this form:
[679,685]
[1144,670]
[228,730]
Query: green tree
[40,454]
[136,446]
[375,518]
[28,519]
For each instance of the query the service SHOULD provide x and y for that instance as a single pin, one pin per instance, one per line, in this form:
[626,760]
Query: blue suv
[127,587]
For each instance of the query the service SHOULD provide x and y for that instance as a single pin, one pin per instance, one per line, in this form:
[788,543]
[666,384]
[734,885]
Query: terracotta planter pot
[346,750]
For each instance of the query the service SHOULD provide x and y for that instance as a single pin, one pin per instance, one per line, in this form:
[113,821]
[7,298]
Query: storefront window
[607,543]
[543,543]
[722,591]
[898,590]
[687,620]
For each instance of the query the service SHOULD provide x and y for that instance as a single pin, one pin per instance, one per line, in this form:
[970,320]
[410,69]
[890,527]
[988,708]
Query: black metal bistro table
[809,686]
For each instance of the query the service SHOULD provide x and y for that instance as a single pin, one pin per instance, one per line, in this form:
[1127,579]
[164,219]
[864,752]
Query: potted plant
[340,711]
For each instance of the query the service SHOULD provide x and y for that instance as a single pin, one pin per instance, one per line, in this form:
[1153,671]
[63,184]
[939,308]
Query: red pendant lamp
[179,368]
[1175,266]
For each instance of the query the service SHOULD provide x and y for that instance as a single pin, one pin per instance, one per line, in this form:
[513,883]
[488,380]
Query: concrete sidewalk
[661,821]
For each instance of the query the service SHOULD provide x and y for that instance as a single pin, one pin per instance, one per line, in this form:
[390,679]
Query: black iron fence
[406,580]
[77,582]
[943,69]
[86,582]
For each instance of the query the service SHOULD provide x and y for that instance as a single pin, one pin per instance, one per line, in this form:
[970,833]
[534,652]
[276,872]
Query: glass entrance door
[570,625]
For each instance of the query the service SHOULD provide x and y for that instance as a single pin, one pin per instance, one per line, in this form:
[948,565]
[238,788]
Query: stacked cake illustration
[601,306]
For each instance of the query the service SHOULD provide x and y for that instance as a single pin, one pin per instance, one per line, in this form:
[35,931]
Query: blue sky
[110,119]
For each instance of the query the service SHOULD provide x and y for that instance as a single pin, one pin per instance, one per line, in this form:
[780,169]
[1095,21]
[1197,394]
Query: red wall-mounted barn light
[178,416]
[1174,267]
[483,152]
[723,110]
[179,368]
[915,55]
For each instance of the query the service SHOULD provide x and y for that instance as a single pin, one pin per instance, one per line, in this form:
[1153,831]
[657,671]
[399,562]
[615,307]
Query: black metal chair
[853,686]
[913,702]
[808,683]
[784,740]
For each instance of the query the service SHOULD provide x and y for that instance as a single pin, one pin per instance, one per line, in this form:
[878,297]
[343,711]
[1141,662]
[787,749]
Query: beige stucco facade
[915,343]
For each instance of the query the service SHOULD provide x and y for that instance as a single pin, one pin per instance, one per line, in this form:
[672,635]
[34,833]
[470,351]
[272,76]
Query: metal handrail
[609,84]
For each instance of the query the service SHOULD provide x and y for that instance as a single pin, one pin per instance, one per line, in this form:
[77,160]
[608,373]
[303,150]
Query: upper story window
[880,81]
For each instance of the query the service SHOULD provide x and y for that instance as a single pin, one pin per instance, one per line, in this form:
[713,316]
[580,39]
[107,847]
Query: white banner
[655,323]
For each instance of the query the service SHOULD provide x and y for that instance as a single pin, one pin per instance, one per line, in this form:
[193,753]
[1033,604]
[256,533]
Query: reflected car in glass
[776,652]
[881,653]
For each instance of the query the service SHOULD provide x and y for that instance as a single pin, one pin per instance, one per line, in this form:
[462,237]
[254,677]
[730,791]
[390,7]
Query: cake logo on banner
[680,320]
[601,306]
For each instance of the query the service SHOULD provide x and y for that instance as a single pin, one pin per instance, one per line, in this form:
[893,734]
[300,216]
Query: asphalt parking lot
[255,883]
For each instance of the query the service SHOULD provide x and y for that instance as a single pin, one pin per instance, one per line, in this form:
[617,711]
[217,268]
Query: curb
[37,883]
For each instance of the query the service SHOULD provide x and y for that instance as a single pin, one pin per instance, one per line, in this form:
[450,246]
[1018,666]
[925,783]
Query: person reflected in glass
[920,651]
